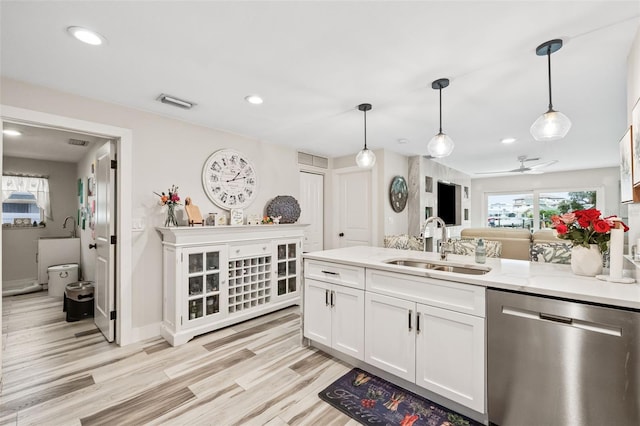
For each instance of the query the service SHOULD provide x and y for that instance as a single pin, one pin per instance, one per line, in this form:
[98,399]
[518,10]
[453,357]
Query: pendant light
[365,158]
[440,145]
[552,125]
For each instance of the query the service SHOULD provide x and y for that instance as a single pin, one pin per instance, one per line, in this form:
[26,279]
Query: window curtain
[37,186]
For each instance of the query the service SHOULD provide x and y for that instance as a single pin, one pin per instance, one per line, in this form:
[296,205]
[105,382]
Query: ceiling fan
[535,169]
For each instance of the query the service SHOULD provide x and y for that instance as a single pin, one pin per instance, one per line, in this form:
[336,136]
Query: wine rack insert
[249,283]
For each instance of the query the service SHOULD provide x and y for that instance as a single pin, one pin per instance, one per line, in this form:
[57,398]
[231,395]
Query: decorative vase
[586,261]
[171,219]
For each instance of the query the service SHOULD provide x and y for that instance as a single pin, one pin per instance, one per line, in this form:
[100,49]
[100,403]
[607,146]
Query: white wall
[608,177]
[165,152]
[19,246]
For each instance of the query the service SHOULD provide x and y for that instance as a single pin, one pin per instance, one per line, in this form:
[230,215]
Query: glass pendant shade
[551,126]
[440,146]
[366,159]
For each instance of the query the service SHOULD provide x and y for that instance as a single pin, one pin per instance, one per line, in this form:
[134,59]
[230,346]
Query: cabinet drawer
[459,297]
[350,276]
[249,250]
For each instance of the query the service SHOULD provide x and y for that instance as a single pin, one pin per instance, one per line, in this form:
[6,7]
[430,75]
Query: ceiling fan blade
[498,171]
[541,165]
[531,159]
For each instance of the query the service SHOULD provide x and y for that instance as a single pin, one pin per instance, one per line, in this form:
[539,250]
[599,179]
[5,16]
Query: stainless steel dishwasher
[558,362]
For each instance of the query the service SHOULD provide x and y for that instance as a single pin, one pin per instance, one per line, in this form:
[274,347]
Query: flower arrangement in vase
[590,234]
[171,200]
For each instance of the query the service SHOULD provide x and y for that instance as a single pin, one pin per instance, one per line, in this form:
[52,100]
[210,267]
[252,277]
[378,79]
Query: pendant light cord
[440,90]
[365,129]
[549,71]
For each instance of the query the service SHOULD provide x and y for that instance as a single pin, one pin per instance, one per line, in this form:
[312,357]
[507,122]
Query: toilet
[60,276]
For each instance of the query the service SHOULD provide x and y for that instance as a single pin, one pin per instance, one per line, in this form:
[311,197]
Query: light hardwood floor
[254,373]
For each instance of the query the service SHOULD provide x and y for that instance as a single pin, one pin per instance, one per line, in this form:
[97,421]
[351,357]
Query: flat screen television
[449,203]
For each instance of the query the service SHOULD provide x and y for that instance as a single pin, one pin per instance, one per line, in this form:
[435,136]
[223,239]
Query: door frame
[124,141]
[321,172]
[373,176]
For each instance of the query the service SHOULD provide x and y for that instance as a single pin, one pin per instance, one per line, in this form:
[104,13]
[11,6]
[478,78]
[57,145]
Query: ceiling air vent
[312,160]
[78,142]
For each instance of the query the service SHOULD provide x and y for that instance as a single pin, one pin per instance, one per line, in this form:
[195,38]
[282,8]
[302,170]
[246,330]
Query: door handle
[410,325]
[93,246]
[341,234]
[417,322]
[333,293]
[326,298]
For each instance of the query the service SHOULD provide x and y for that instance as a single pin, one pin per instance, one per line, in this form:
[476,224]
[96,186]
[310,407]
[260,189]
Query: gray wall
[19,246]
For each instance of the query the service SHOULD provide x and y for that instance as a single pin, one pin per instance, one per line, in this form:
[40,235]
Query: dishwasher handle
[555,318]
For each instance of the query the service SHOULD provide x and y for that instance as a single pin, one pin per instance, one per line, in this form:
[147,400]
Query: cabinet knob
[93,246]
[341,234]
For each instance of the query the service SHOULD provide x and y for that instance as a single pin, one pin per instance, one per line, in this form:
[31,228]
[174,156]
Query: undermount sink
[459,269]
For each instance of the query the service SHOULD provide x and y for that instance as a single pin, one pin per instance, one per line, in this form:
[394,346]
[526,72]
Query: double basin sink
[436,266]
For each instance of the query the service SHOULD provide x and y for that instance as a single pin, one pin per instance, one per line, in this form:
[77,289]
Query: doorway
[123,138]
[312,210]
[356,207]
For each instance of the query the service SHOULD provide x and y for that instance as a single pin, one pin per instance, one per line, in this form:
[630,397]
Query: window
[25,198]
[533,210]
[21,205]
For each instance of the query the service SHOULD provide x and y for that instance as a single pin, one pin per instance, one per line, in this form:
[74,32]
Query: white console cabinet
[215,276]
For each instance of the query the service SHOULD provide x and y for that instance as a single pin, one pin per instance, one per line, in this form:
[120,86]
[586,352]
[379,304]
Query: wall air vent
[78,142]
[313,160]
[172,100]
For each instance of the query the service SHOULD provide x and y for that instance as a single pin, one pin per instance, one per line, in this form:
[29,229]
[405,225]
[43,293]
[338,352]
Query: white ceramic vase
[586,261]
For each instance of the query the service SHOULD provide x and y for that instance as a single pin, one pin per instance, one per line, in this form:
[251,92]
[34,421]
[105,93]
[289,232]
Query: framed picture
[626,184]
[91,186]
[237,217]
[635,134]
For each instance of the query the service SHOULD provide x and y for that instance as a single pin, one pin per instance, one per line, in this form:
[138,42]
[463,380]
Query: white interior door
[355,210]
[104,229]
[312,210]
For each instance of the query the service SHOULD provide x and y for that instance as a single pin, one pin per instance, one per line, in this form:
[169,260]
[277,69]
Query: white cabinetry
[439,349]
[334,307]
[221,275]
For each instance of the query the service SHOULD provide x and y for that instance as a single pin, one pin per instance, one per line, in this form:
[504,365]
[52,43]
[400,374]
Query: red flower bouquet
[584,227]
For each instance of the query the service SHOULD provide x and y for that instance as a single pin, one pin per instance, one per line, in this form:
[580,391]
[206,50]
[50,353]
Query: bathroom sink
[57,238]
[445,267]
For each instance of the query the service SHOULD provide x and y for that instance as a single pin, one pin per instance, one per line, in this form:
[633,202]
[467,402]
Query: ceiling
[314,61]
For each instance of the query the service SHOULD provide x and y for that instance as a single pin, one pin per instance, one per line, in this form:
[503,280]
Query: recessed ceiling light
[86,36]
[403,141]
[11,132]
[254,99]
[508,140]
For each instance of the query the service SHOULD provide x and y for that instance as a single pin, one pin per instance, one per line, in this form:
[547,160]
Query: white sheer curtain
[37,186]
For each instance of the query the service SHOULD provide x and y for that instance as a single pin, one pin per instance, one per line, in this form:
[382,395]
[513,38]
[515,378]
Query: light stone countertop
[548,279]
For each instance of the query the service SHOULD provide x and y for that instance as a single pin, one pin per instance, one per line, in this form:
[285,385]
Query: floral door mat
[372,400]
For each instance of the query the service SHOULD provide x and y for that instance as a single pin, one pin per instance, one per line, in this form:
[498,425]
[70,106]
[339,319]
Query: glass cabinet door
[287,268]
[205,279]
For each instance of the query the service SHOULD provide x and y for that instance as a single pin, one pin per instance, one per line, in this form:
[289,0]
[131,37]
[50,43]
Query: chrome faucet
[444,245]
[73,230]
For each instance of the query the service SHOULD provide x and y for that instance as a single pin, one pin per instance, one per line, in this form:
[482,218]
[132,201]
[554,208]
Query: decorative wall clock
[398,193]
[229,179]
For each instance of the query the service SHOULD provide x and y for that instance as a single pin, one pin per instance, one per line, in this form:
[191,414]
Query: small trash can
[78,300]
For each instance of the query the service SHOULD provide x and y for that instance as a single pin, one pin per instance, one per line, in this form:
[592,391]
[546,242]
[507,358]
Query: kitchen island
[410,318]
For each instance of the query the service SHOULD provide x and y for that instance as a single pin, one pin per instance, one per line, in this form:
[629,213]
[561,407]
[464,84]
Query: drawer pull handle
[410,325]
[330,273]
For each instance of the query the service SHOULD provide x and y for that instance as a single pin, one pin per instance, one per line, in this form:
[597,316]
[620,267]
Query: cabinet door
[390,340]
[450,355]
[204,284]
[347,321]
[287,267]
[317,311]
